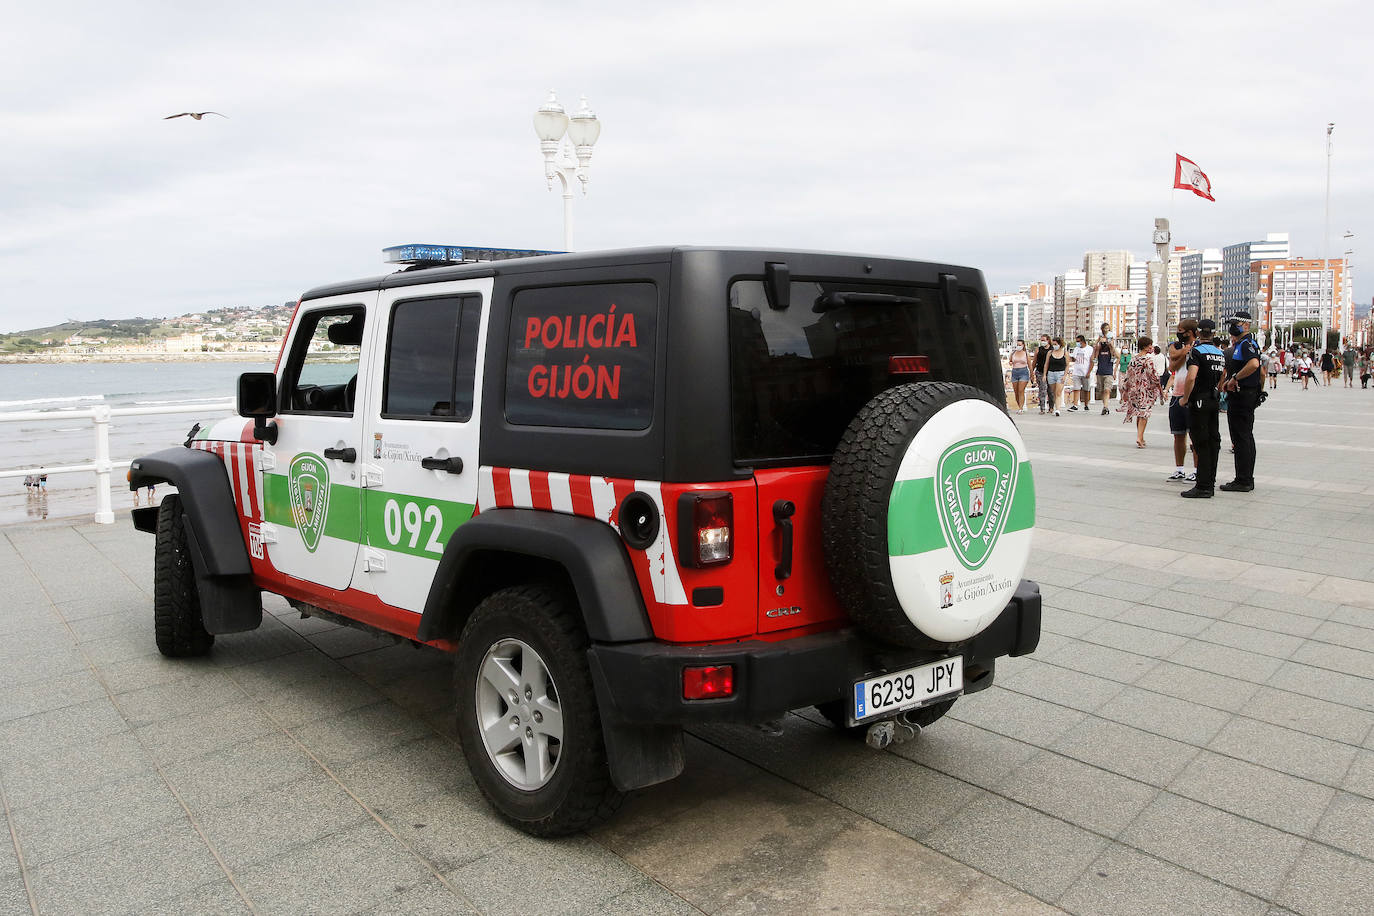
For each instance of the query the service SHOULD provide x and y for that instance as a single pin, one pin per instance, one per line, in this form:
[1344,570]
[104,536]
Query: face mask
[1182,337]
[1236,330]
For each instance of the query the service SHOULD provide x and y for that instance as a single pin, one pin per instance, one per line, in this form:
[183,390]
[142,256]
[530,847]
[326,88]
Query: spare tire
[928,514]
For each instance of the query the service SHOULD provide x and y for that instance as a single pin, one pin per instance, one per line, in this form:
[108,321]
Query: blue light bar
[455,254]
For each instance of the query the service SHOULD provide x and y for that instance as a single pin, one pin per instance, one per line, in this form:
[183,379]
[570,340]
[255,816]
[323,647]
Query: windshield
[798,376]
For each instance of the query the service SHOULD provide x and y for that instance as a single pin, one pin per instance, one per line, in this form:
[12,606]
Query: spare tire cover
[931,513]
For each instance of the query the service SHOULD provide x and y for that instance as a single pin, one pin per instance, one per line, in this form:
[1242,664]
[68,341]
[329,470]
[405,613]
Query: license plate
[908,689]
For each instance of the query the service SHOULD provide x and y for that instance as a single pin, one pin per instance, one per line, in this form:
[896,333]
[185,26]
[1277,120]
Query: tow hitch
[888,732]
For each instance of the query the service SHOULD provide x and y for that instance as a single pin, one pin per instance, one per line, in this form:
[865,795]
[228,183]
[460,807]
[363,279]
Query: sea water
[63,388]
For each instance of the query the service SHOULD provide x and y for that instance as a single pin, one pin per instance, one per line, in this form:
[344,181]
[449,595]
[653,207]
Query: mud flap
[639,755]
[228,604]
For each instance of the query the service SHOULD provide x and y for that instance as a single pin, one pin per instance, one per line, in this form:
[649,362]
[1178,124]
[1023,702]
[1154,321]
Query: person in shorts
[1080,377]
[1104,356]
[1178,410]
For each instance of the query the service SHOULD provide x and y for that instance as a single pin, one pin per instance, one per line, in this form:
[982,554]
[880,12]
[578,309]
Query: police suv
[630,491]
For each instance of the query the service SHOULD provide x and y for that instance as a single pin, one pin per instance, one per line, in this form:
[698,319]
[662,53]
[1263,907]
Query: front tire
[178,627]
[527,714]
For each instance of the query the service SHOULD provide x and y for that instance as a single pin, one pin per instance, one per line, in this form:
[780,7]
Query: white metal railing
[102,465]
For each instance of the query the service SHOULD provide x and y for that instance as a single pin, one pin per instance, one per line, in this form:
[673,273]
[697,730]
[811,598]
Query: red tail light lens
[908,365]
[708,682]
[706,522]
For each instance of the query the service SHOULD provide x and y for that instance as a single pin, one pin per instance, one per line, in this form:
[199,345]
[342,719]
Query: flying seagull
[194,114]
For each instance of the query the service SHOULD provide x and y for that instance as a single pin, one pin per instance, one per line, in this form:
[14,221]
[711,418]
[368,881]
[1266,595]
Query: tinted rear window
[799,376]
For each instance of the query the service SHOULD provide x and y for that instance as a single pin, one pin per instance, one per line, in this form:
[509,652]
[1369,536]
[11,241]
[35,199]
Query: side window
[321,375]
[582,356]
[430,358]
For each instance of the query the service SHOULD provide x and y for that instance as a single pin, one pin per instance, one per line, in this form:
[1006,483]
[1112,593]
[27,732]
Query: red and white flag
[1191,178]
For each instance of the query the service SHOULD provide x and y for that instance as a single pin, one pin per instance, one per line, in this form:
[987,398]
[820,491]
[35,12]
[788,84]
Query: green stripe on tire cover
[913,524]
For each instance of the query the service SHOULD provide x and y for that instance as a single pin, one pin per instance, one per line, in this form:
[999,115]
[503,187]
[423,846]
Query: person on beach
[1140,389]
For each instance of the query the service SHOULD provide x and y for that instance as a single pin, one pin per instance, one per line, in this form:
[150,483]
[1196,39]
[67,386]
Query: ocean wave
[32,401]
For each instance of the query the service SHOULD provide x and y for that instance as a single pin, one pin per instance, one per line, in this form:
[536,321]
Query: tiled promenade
[1195,734]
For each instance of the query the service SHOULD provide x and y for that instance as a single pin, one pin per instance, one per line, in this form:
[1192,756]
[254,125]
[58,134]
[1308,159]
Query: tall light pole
[1347,290]
[567,160]
[1326,242]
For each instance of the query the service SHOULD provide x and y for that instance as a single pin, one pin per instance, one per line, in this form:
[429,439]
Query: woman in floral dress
[1140,389]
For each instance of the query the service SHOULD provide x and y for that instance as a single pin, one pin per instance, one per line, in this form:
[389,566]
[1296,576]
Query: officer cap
[1206,324]
[1242,316]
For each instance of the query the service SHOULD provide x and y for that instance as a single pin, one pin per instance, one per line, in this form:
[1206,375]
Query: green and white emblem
[975,480]
[308,481]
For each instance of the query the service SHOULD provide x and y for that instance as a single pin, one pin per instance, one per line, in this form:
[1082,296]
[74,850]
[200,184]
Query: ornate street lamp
[570,159]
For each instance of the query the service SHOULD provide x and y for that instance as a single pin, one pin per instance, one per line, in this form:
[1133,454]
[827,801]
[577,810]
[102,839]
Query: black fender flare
[203,484]
[589,551]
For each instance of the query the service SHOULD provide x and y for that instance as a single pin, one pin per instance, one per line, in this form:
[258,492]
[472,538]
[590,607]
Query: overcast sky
[1005,136]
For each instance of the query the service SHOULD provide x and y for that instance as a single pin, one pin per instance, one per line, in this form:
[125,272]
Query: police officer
[1242,384]
[1206,366]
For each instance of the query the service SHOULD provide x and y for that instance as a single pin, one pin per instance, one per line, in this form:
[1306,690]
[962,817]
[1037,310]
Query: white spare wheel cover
[960,518]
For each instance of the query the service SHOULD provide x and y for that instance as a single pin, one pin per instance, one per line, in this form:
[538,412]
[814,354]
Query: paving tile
[1357,662]
[1235,851]
[642,898]
[1077,792]
[1321,683]
[226,775]
[433,897]
[1251,639]
[1308,756]
[60,825]
[1348,824]
[805,753]
[68,725]
[1310,715]
[133,674]
[359,733]
[551,875]
[1360,778]
[903,796]
[967,752]
[31,775]
[27,667]
[315,699]
[1345,634]
[1101,661]
[1181,598]
[1127,882]
[1274,621]
[202,689]
[1161,714]
[1328,882]
[174,740]
[271,640]
[55,692]
[265,824]
[341,873]
[1016,715]
[218,898]
[1204,688]
[409,774]
[391,663]
[1255,792]
[270,675]
[341,642]
[1139,640]
[1064,686]
[450,827]
[1067,623]
[1126,751]
[169,861]
[1029,850]
[1168,621]
[1237,663]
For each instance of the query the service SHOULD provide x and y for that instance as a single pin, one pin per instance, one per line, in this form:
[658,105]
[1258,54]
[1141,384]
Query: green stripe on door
[426,522]
[913,521]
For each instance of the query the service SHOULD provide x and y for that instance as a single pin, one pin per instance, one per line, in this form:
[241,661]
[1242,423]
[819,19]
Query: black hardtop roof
[614,257]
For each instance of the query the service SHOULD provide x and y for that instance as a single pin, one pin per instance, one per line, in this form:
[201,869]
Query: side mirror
[258,400]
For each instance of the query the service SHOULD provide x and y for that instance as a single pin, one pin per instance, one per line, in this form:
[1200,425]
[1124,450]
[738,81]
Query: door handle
[452,465]
[347,455]
[782,515]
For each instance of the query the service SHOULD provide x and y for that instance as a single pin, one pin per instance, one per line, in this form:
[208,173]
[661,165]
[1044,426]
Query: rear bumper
[641,682]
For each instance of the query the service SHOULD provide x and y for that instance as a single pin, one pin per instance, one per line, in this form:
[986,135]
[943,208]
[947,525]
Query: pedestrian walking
[1243,385]
[1019,361]
[1082,356]
[1104,355]
[1042,388]
[1140,388]
[1206,366]
[1328,365]
[1364,369]
[1349,357]
[1056,364]
[1178,405]
[1161,364]
[1269,362]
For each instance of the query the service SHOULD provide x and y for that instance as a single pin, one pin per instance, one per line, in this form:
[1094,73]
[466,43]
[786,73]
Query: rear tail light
[908,365]
[706,522]
[708,682]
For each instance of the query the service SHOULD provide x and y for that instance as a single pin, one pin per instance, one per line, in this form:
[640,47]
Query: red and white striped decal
[590,497]
[245,476]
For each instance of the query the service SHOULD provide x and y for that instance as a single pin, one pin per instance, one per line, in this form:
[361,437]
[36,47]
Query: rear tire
[527,713]
[178,627]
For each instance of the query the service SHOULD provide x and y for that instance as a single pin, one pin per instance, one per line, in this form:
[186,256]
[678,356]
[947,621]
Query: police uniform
[1203,407]
[1240,408]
